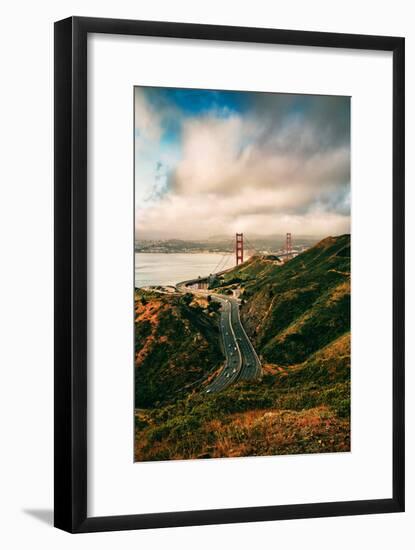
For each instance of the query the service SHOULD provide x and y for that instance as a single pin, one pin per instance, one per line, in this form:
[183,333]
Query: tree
[187,298]
[213,307]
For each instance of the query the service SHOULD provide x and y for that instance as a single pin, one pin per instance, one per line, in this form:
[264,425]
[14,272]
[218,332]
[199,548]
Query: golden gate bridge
[241,248]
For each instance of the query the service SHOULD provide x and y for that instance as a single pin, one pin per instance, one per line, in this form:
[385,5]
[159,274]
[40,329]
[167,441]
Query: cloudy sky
[216,162]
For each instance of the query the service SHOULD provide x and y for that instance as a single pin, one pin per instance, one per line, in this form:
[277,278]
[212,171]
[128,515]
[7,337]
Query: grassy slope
[175,346]
[299,410]
[303,306]
[299,317]
[253,269]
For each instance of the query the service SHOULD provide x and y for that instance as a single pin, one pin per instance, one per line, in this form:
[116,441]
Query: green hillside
[301,306]
[254,269]
[176,345]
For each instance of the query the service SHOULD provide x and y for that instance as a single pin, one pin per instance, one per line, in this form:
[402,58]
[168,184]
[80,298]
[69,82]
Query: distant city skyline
[219,162]
[220,238]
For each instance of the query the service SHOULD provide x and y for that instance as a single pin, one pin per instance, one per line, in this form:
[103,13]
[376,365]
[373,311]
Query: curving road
[242,362]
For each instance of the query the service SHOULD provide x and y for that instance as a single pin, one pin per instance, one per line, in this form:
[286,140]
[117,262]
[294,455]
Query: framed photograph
[229,274]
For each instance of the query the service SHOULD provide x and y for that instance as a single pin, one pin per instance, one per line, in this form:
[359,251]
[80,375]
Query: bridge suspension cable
[226,263]
[219,264]
[224,259]
[251,248]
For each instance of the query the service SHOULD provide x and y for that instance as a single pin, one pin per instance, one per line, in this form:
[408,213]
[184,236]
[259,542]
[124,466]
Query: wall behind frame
[26,175]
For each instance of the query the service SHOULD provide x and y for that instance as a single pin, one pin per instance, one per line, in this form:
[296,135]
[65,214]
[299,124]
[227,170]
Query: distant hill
[219,243]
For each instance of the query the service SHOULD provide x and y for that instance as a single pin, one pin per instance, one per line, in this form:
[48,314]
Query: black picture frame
[70,173]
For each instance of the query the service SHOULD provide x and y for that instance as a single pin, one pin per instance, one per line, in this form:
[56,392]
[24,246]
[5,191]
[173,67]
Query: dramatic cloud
[277,163]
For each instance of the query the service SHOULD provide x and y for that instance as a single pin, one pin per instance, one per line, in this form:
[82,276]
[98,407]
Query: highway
[242,362]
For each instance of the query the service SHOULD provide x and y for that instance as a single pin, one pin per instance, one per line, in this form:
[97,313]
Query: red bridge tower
[288,244]
[239,248]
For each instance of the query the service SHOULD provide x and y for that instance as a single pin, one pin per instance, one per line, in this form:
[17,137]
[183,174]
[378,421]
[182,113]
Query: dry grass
[269,368]
[257,433]
[339,292]
[200,300]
